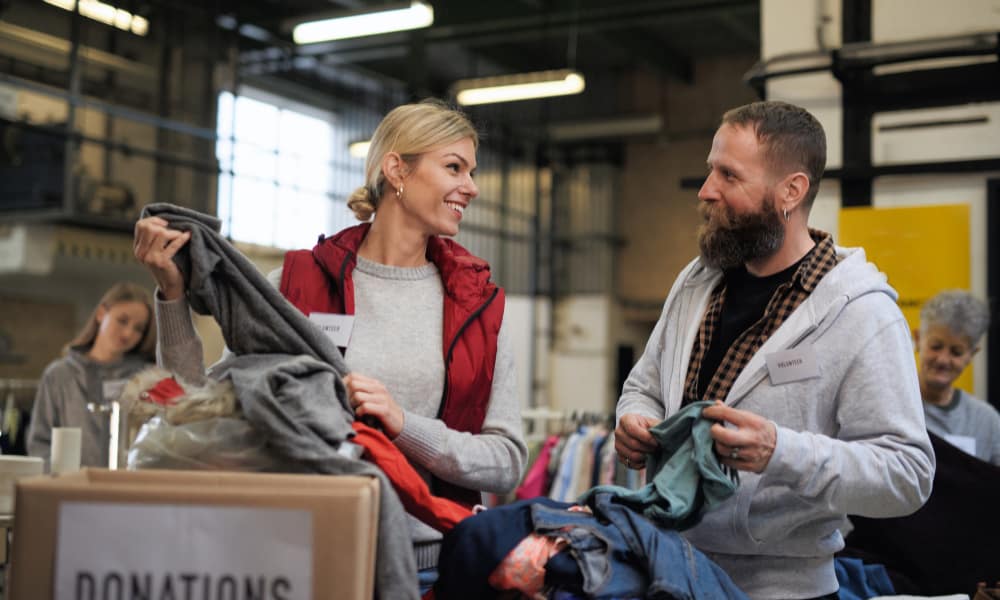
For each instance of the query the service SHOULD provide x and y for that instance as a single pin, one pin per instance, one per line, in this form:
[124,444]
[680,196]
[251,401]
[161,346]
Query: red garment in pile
[164,392]
[440,513]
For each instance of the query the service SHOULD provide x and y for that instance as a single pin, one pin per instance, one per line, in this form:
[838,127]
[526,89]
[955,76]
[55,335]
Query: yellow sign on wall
[922,249]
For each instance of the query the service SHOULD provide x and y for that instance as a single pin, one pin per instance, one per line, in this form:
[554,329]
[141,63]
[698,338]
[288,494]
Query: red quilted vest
[321,280]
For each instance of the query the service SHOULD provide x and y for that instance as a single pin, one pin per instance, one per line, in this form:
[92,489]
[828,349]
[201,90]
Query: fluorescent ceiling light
[339,26]
[359,149]
[107,14]
[524,86]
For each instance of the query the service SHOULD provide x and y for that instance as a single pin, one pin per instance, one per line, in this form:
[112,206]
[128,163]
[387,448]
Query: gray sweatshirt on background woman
[66,387]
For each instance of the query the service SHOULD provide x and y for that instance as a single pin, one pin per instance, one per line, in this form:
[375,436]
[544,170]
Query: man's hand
[369,397]
[750,445]
[633,440]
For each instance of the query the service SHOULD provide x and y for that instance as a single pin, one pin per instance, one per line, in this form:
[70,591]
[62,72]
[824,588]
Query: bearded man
[806,355]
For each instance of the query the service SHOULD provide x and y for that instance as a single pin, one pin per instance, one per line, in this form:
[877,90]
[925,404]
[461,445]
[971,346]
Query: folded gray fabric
[287,376]
[287,399]
[685,477]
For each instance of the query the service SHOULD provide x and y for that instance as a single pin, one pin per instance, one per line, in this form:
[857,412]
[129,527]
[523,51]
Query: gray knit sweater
[397,339]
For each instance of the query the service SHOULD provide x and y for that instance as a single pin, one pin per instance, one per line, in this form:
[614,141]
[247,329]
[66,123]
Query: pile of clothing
[615,543]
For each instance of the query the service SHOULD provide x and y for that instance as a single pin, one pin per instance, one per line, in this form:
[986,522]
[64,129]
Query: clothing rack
[22,389]
[542,421]
[572,451]
[536,422]
[16,399]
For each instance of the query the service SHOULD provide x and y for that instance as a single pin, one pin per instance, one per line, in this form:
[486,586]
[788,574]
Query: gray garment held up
[283,371]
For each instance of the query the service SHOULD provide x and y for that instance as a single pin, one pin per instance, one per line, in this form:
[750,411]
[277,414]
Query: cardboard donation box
[99,534]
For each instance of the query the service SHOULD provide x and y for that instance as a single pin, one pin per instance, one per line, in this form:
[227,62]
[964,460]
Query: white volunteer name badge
[337,327]
[792,365]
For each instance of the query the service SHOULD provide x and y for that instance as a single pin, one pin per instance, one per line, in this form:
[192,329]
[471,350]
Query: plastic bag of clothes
[178,426]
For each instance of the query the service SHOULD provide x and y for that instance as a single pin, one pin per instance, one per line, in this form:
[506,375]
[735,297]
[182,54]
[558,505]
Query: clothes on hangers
[578,458]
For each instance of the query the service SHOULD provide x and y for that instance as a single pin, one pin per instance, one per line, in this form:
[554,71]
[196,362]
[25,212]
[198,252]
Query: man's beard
[728,239]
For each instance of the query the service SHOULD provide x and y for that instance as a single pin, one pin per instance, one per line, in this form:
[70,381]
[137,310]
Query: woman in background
[952,325]
[430,353]
[117,342]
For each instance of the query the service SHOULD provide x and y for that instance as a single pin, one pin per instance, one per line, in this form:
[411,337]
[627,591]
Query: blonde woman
[117,341]
[430,355]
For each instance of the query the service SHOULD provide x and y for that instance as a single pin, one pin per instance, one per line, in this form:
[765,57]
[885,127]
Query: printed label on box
[119,550]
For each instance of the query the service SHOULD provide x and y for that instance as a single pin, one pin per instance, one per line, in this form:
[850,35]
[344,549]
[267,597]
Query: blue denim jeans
[426,578]
[621,554]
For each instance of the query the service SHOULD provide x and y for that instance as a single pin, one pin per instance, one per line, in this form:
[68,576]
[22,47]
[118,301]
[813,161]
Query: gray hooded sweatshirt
[66,387]
[850,437]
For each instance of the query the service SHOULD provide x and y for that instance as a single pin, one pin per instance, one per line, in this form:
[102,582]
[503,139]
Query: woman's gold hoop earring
[399,193]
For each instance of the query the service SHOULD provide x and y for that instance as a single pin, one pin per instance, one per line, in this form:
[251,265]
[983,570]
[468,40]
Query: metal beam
[35,47]
[111,109]
[856,128]
[740,29]
[935,87]
[535,27]
[993,287]
[655,53]
[942,167]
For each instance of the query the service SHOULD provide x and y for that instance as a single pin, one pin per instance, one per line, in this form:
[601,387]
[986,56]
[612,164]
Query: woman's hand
[155,245]
[369,397]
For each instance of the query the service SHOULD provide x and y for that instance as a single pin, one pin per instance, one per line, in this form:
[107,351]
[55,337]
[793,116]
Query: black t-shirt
[746,299]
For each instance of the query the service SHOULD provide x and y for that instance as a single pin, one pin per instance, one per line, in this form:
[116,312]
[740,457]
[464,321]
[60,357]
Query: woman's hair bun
[361,203]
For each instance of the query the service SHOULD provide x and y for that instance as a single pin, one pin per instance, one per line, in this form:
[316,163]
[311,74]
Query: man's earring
[785,210]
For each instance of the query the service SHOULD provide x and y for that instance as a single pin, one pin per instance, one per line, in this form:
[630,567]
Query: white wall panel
[526,329]
[581,383]
[900,20]
[825,212]
[962,140]
[788,26]
[581,359]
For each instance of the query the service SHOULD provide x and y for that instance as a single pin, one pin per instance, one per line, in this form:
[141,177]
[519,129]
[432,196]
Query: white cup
[65,451]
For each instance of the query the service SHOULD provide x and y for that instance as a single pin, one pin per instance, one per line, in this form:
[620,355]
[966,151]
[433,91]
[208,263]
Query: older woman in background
[952,325]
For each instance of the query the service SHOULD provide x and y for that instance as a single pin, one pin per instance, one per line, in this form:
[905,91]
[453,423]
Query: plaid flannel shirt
[784,301]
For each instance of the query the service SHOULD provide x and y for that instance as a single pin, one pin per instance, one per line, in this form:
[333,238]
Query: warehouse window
[285,171]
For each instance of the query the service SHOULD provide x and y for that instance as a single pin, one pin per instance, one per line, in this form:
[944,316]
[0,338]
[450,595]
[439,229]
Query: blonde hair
[117,294]
[410,130]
